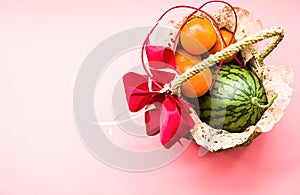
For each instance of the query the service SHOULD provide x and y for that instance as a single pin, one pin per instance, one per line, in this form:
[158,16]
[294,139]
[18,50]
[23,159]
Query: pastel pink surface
[42,46]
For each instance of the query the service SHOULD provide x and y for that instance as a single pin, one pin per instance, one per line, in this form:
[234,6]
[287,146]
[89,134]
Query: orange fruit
[197,85]
[198,36]
[219,45]
[184,59]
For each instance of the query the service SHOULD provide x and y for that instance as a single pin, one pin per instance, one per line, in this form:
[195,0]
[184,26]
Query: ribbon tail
[175,121]
[170,121]
[152,122]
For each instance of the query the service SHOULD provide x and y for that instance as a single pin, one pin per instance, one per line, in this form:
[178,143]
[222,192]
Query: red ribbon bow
[170,115]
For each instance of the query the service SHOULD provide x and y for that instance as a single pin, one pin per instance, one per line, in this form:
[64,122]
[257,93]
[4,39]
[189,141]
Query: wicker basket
[217,139]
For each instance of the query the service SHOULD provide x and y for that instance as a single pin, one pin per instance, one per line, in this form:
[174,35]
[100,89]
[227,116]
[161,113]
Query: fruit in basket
[198,36]
[229,105]
[200,83]
[219,45]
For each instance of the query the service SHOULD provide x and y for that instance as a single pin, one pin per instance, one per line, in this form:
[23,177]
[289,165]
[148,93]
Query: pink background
[42,46]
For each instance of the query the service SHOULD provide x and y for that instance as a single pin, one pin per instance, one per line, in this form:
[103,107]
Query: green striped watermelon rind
[237,112]
[216,140]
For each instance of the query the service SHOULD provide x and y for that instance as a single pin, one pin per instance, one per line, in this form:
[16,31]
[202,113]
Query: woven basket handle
[276,32]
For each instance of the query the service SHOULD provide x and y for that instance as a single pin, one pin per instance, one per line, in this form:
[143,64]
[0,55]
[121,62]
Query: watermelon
[229,105]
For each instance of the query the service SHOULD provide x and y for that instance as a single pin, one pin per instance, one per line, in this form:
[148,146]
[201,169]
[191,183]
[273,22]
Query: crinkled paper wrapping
[246,25]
